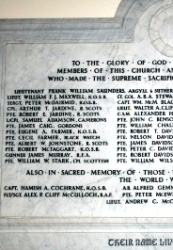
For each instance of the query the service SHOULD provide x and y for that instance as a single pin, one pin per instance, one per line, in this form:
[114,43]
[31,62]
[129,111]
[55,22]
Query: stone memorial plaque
[87,122]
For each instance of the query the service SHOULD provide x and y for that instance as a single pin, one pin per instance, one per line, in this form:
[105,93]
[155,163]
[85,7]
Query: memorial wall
[87,130]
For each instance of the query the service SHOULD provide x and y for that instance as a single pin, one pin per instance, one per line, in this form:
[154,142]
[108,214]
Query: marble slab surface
[77,98]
